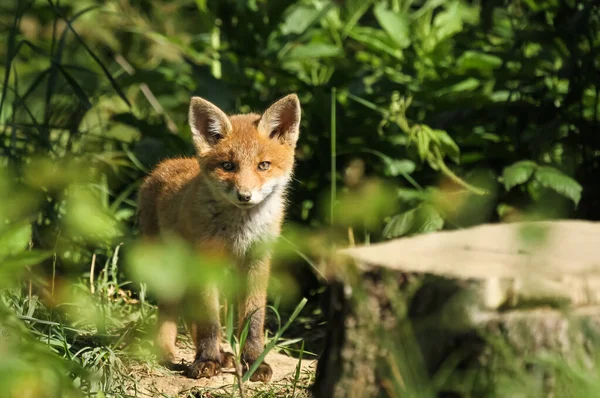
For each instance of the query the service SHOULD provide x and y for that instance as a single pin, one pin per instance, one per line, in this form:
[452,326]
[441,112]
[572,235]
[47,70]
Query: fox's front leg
[167,330]
[203,319]
[251,309]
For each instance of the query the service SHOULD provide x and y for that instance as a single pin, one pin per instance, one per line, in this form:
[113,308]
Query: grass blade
[38,79]
[298,369]
[12,50]
[368,104]
[273,341]
[75,87]
[113,82]
[229,326]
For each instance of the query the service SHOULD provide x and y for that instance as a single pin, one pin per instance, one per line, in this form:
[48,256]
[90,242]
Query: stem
[238,376]
[215,42]
[333,152]
[450,174]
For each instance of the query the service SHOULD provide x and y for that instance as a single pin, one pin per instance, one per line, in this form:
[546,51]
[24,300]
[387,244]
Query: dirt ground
[160,381]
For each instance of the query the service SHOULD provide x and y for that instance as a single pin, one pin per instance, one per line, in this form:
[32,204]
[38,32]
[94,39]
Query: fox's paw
[204,368]
[263,373]
[227,360]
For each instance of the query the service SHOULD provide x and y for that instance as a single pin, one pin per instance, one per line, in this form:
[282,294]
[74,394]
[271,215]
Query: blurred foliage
[449,114]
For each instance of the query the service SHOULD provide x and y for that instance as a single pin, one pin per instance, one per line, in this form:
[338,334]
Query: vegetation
[418,115]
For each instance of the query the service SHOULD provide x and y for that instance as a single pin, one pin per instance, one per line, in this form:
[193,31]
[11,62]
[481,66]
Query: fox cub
[232,194]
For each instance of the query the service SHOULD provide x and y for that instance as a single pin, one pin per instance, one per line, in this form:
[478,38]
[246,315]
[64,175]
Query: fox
[232,195]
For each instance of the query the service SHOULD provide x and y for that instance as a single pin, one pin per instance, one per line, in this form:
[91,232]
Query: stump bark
[427,328]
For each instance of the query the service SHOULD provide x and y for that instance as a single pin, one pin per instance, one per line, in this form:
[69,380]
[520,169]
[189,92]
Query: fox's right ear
[209,124]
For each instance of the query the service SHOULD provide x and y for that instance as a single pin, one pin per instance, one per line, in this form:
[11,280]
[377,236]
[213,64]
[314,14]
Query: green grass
[96,336]
[101,334]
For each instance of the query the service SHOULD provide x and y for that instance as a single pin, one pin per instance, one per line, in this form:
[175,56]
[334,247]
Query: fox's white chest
[241,229]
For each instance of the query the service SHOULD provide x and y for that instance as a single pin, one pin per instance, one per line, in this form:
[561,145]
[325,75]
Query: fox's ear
[209,124]
[282,120]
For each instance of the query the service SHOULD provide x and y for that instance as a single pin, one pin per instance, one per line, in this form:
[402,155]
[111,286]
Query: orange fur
[231,196]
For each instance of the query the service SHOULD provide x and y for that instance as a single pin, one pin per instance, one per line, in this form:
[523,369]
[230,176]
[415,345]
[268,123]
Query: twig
[92,273]
[351,241]
[147,93]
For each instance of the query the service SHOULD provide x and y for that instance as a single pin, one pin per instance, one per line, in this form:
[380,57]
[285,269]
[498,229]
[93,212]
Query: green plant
[418,106]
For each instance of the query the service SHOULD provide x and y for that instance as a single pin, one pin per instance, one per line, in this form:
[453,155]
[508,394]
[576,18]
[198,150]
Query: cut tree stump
[483,302]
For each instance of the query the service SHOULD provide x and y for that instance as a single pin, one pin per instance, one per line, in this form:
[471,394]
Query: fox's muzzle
[244,196]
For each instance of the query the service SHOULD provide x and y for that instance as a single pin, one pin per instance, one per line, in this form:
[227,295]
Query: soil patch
[160,381]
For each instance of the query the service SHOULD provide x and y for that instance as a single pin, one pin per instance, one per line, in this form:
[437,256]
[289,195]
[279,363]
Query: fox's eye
[227,166]
[264,165]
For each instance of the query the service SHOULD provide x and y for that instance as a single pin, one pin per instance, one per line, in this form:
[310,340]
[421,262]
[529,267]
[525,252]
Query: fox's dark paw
[204,368]
[227,360]
[263,373]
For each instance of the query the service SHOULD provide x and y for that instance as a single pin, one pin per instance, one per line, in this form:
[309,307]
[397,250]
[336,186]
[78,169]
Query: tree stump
[485,310]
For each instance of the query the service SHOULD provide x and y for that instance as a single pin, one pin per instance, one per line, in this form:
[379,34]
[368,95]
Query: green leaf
[478,60]
[469,84]
[408,194]
[393,167]
[423,140]
[400,224]
[15,239]
[396,167]
[147,262]
[450,21]
[12,263]
[428,219]
[376,40]
[312,50]
[447,144]
[518,173]
[25,259]
[422,219]
[556,180]
[355,10]
[395,24]
[201,4]
[299,19]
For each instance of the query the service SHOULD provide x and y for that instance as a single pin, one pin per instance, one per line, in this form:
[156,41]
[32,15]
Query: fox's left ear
[282,120]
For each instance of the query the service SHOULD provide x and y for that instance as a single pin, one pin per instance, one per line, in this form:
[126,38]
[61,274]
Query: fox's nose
[244,196]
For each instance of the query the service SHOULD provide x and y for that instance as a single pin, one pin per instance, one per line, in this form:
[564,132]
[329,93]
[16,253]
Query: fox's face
[246,158]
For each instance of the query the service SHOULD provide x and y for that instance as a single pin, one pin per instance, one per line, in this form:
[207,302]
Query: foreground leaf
[15,239]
